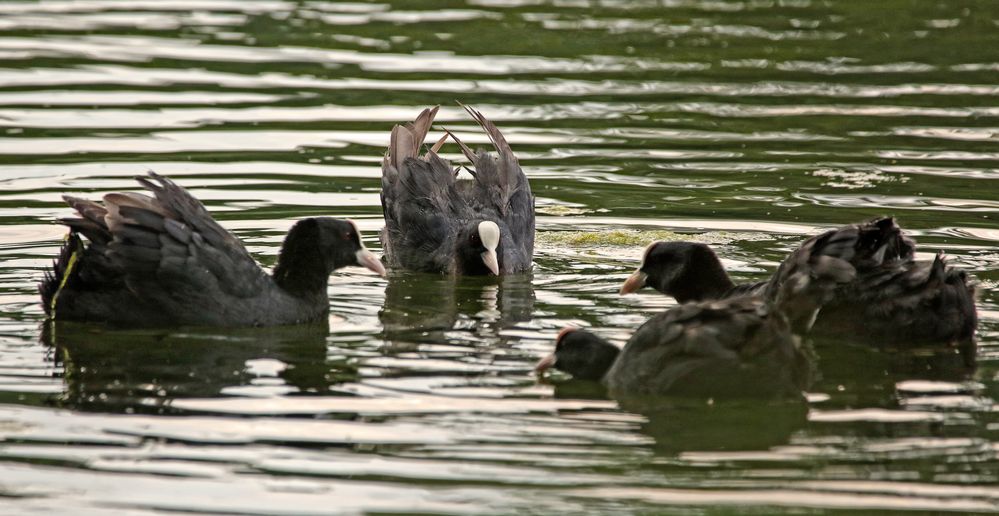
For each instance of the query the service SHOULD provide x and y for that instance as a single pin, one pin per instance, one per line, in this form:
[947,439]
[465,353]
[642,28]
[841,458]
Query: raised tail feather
[406,139]
[91,222]
[499,176]
[495,136]
[955,299]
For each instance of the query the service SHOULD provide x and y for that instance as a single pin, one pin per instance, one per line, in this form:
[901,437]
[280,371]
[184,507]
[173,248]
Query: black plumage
[163,260]
[895,300]
[436,223]
[906,304]
[743,346]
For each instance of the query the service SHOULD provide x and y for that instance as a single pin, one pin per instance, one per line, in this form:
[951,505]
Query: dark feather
[165,260]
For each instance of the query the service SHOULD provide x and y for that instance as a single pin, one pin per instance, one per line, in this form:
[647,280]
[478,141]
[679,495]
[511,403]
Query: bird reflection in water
[430,308]
[691,423]
[142,370]
[853,375]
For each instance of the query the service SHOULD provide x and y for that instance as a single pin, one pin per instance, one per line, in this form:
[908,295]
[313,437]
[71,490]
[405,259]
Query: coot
[163,260]
[436,223]
[894,300]
[906,304]
[690,271]
[743,346]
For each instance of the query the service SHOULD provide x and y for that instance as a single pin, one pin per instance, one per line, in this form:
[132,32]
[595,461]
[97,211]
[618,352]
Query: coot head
[317,246]
[340,241]
[688,271]
[478,248]
[580,353]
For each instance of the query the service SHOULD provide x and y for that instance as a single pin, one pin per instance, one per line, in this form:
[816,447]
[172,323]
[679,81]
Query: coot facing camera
[437,223]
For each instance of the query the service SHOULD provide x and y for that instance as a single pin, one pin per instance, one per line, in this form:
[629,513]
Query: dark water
[748,125]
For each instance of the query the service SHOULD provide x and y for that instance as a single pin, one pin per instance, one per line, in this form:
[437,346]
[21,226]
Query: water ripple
[746,125]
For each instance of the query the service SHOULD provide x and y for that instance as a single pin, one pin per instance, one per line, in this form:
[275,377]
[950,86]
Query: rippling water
[745,124]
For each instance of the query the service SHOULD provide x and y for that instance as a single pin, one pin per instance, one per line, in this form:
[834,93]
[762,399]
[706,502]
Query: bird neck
[302,269]
[592,363]
[604,359]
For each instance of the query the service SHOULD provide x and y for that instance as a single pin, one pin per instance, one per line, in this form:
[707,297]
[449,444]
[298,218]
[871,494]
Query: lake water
[745,124]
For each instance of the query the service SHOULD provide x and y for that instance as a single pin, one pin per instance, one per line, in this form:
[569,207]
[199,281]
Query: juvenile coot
[895,300]
[163,260]
[744,346]
[435,223]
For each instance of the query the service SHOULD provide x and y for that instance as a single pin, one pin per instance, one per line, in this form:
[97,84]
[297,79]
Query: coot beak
[491,260]
[634,282]
[549,361]
[368,260]
[545,364]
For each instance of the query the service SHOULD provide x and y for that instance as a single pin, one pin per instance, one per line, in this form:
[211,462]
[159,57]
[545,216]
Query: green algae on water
[637,237]
[561,210]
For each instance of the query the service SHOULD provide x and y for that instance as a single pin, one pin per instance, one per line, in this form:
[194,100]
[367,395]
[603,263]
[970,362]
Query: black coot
[894,300]
[690,271]
[436,223]
[163,260]
[744,346]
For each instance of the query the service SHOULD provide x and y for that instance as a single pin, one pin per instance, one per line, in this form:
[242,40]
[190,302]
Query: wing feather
[503,183]
[165,244]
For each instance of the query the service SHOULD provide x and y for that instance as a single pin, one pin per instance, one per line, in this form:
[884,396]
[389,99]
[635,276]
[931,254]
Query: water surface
[745,124]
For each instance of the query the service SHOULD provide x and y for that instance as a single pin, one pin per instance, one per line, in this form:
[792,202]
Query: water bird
[437,223]
[162,260]
[741,346]
[895,301]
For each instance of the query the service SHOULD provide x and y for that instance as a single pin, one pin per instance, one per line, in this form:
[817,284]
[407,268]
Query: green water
[747,125]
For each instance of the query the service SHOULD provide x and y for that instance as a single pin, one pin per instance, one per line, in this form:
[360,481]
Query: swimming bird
[164,261]
[691,271]
[743,346]
[895,300]
[906,304]
[436,223]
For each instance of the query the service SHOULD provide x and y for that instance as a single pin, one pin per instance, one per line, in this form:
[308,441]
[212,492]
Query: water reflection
[424,307]
[138,371]
[687,424]
[725,426]
[842,361]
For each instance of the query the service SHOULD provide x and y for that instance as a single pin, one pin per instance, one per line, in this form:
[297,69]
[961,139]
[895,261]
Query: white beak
[489,233]
[491,260]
